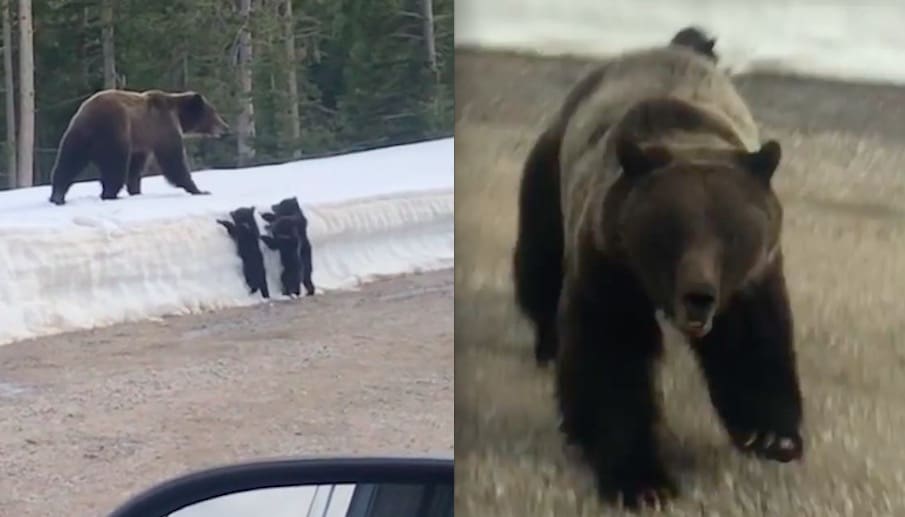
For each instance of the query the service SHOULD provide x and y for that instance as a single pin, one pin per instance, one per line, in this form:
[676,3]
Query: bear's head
[245,219]
[697,229]
[197,116]
[288,206]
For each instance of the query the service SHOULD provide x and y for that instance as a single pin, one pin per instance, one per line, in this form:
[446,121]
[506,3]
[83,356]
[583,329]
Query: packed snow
[94,263]
[833,38]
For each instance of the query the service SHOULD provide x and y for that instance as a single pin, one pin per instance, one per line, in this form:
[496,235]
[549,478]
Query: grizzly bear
[243,229]
[537,263]
[651,192]
[290,207]
[286,237]
[118,130]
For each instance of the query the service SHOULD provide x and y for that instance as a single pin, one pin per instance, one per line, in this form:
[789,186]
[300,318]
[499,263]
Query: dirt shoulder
[843,186]
[88,418]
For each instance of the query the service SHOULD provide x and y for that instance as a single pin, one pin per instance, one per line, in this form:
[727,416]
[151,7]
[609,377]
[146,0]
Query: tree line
[294,78]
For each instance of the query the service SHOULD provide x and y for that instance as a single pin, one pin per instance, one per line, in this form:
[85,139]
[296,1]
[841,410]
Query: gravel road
[843,186]
[89,418]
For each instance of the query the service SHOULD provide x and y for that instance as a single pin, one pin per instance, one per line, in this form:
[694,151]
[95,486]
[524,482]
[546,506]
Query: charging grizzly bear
[119,130]
[651,191]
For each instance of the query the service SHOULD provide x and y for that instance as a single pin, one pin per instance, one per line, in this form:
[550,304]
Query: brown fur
[119,130]
[665,203]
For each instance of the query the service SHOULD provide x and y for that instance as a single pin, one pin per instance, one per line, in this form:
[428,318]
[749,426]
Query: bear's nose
[699,303]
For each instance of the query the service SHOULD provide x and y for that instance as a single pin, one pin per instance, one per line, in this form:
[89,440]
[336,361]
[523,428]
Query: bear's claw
[770,445]
[653,494]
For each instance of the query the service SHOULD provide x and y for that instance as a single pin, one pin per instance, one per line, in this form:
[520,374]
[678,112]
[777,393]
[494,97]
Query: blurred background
[832,38]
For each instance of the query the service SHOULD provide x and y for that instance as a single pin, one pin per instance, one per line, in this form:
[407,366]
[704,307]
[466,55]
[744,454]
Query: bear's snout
[696,296]
[697,306]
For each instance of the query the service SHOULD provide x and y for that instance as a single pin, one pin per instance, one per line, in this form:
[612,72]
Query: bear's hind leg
[749,362]
[72,158]
[262,282]
[537,258]
[610,341]
[307,270]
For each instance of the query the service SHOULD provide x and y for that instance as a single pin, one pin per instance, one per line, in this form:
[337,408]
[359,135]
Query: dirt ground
[843,185]
[89,418]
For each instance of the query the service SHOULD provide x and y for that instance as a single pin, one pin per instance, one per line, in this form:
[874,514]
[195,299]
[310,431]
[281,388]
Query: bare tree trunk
[295,123]
[10,83]
[107,44]
[86,68]
[427,20]
[26,96]
[245,125]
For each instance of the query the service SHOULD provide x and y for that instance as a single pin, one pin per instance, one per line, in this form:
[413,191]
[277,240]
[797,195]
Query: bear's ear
[763,162]
[637,162]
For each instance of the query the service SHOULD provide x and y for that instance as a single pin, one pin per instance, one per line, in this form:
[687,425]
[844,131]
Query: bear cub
[651,191]
[119,130]
[285,237]
[244,231]
[290,208]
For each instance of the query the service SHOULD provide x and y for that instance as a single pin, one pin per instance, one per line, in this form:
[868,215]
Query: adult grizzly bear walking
[118,130]
[651,191]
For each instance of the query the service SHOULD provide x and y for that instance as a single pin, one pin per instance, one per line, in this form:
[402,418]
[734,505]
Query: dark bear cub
[289,207]
[285,237]
[244,231]
[652,191]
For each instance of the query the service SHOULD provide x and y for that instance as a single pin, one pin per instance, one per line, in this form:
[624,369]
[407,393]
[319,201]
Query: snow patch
[94,263]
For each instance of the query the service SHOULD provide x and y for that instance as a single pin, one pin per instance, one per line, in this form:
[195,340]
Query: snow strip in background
[94,263]
[838,39]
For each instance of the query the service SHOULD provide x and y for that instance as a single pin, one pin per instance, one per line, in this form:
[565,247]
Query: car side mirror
[330,487]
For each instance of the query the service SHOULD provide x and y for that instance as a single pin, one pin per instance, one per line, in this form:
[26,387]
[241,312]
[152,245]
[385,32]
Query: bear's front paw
[203,193]
[643,492]
[782,447]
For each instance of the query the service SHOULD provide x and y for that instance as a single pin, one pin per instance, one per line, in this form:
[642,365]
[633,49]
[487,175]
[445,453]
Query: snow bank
[92,263]
[833,38]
